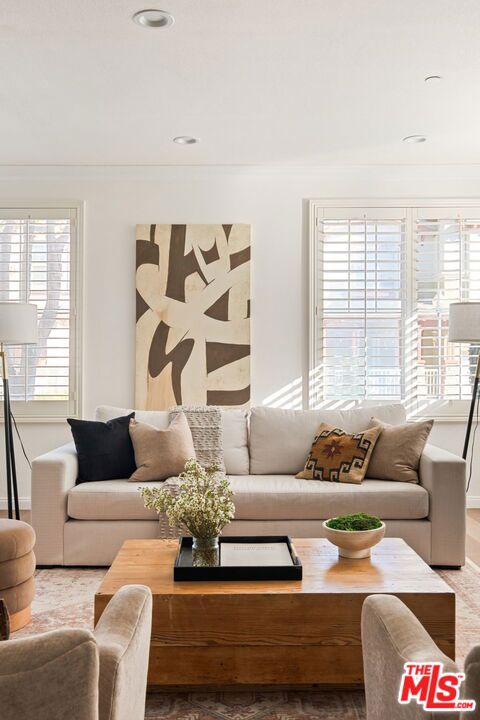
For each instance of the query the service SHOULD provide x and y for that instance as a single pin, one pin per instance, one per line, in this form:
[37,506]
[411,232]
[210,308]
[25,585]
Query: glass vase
[205,552]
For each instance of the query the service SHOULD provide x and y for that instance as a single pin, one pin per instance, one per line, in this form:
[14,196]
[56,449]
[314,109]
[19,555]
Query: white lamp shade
[18,324]
[464,322]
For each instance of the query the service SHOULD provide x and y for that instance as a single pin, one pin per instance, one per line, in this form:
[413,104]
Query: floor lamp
[464,327]
[18,326]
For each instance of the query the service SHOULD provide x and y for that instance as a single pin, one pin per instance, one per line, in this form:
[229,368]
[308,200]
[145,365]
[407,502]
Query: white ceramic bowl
[354,543]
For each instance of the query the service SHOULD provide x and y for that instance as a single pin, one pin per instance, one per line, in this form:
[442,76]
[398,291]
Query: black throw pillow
[104,449]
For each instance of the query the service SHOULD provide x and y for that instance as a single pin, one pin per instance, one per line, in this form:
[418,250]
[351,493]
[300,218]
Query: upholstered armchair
[78,674]
[392,636]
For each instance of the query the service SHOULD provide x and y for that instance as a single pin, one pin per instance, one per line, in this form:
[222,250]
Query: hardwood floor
[25,515]
[473,535]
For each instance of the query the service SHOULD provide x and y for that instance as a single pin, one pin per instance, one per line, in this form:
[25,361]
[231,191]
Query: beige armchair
[78,674]
[392,636]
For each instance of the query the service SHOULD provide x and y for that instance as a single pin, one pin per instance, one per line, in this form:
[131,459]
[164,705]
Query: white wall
[272,200]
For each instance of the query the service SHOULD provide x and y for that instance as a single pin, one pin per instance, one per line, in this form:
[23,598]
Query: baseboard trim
[24,502]
[473,501]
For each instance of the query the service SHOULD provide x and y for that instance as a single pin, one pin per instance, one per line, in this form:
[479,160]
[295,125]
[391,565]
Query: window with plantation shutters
[382,279]
[447,269]
[360,305]
[37,251]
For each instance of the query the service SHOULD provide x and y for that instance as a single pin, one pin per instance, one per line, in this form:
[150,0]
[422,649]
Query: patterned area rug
[64,597]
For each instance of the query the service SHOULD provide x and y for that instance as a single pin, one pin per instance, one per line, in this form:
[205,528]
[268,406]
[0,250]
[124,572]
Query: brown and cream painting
[193,315]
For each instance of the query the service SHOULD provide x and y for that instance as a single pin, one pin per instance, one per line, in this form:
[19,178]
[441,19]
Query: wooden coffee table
[275,633]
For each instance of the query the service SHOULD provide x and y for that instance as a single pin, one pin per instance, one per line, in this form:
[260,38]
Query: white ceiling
[300,82]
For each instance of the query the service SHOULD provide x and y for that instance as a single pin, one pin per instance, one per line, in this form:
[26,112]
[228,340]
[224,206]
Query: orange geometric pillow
[339,456]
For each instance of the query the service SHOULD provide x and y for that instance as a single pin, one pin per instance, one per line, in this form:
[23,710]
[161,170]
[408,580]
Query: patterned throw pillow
[339,456]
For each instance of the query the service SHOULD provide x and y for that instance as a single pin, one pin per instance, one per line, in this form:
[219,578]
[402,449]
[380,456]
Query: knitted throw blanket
[205,423]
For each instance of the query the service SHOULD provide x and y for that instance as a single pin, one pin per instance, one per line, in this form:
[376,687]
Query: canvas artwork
[193,315]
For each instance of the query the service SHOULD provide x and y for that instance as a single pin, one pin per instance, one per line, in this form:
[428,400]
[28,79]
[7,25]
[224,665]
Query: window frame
[441,410]
[54,411]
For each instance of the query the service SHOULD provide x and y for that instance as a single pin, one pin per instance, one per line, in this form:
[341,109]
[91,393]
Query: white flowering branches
[203,502]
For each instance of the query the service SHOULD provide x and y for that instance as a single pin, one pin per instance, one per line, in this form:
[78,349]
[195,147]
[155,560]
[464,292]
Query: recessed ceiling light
[433,78]
[415,139]
[153,18]
[185,140]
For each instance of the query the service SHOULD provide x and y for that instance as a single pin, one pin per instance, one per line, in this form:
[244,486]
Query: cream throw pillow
[160,454]
[398,450]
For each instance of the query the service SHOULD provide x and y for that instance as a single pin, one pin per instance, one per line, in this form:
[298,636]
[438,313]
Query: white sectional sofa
[263,449]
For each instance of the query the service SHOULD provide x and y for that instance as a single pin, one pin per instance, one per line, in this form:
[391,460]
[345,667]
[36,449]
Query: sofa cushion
[280,440]
[109,500]
[264,497]
[235,442]
[280,497]
[234,426]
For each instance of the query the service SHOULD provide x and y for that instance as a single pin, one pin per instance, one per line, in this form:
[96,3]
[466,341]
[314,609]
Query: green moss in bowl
[352,523]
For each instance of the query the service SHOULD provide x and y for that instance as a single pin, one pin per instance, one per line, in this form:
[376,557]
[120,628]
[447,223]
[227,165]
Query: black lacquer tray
[184,570]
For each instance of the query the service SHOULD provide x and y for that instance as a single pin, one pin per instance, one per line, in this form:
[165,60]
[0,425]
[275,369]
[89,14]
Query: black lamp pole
[472,408]
[12,488]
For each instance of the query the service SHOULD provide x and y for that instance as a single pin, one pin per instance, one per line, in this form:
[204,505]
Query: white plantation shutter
[447,269]
[360,305]
[382,282]
[37,248]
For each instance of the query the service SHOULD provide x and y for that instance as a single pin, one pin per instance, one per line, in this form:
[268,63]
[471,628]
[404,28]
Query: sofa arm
[471,687]
[49,676]
[53,475]
[392,636]
[442,474]
[123,639]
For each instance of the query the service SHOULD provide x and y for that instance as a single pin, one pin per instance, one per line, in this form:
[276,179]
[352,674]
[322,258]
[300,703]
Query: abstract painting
[193,315]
